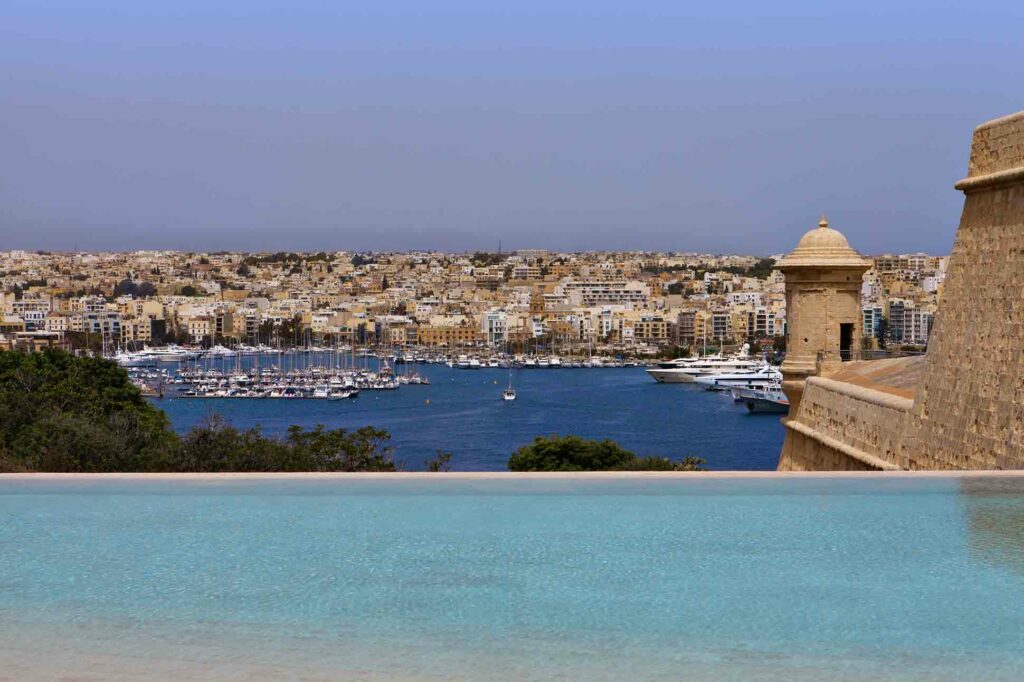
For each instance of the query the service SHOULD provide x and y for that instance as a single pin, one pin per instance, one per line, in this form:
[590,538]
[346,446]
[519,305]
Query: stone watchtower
[823,313]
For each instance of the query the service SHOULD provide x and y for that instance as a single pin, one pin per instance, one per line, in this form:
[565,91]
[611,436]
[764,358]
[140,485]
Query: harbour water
[461,411]
[439,577]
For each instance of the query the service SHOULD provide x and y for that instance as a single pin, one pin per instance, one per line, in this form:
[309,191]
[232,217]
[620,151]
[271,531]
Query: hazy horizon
[307,126]
[462,252]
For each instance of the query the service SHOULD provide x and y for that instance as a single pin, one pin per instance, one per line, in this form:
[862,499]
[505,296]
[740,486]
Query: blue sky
[725,127]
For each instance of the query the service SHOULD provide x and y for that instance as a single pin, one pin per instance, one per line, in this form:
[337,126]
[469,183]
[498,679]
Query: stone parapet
[841,426]
[998,146]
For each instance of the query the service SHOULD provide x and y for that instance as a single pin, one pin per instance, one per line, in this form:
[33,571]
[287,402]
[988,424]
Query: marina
[312,372]
[464,412]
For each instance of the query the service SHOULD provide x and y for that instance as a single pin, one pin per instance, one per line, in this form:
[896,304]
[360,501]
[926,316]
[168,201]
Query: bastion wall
[968,408]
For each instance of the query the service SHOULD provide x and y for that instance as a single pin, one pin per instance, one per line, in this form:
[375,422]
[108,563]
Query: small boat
[768,400]
[509,393]
[342,394]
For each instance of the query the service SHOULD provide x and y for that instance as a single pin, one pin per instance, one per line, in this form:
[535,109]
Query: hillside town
[526,301]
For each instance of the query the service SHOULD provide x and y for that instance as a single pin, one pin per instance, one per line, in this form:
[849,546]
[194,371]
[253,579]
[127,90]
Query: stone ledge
[867,395]
[839,446]
[991,180]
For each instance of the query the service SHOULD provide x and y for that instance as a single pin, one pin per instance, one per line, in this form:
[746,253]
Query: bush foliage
[572,453]
[59,412]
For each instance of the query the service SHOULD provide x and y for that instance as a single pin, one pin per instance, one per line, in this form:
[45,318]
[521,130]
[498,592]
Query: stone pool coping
[510,475]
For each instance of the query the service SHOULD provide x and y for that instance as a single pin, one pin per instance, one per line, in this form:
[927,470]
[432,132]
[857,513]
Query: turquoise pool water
[440,578]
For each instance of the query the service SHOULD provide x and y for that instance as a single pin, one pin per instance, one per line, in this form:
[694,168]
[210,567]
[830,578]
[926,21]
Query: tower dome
[823,246]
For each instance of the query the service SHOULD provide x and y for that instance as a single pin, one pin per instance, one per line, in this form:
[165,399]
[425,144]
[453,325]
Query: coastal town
[531,302]
[524,341]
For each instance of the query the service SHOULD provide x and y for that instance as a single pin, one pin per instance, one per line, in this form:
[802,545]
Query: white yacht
[770,399]
[688,369]
[762,377]
[169,353]
[220,351]
[130,359]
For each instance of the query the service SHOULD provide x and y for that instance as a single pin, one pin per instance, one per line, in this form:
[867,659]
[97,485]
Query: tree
[441,461]
[484,258]
[127,287]
[144,290]
[215,445]
[60,412]
[882,332]
[189,290]
[572,453]
[243,270]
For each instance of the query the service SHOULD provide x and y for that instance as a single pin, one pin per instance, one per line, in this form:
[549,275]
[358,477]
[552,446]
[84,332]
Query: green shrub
[59,412]
[572,453]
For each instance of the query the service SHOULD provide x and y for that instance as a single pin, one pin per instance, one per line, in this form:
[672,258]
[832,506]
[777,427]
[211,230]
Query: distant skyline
[574,126]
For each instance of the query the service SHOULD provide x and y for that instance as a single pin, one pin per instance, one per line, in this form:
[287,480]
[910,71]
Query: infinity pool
[607,578]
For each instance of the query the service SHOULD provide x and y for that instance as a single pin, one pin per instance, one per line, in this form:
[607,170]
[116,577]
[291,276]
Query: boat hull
[671,376]
[765,406]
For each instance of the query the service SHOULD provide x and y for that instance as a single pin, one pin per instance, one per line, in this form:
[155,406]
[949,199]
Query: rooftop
[823,246]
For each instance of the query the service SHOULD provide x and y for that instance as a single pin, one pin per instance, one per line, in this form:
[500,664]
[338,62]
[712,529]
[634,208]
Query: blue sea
[439,577]
[461,412]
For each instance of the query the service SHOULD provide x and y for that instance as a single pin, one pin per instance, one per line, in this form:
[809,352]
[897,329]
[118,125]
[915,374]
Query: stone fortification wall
[970,403]
[968,409]
[843,427]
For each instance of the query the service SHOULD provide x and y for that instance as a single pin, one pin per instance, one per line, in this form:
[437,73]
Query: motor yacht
[762,377]
[763,400]
[687,370]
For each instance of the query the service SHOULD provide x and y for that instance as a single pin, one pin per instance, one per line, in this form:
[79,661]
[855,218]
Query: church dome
[823,246]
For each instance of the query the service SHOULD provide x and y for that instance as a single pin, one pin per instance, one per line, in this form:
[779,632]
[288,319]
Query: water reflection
[995,520]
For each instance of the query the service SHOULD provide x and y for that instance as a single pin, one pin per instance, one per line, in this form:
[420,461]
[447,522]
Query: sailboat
[509,393]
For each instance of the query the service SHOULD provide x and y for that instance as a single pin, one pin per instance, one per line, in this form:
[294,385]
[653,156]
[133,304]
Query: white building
[494,325]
